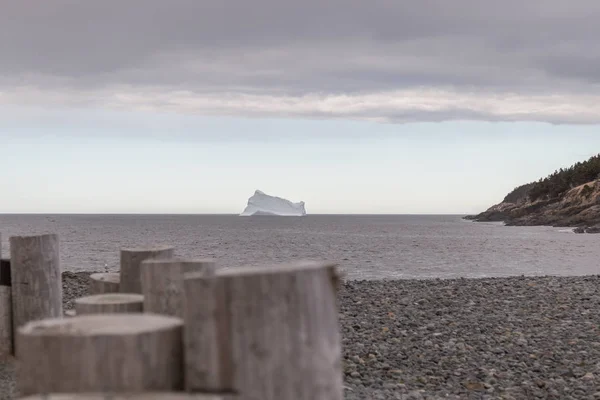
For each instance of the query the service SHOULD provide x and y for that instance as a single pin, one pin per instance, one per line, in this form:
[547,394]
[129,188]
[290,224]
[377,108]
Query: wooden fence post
[101,283]
[6,324]
[266,333]
[132,396]
[100,353]
[162,283]
[109,303]
[131,260]
[35,278]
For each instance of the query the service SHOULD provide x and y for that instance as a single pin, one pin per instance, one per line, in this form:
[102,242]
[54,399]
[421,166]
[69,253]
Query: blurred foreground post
[132,396]
[268,333]
[101,283]
[131,260]
[35,278]
[100,353]
[6,326]
[162,283]
[109,303]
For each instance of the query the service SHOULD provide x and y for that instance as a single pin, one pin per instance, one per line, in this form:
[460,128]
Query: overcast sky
[428,106]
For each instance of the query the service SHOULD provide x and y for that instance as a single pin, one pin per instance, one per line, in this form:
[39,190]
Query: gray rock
[516,338]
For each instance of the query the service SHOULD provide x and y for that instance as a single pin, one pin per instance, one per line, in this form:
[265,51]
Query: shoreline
[460,338]
[591,227]
[75,283]
[578,229]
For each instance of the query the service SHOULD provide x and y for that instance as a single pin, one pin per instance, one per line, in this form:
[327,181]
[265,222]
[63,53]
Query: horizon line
[231,214]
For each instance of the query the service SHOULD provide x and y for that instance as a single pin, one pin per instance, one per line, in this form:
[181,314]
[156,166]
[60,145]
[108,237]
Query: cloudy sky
[352,106]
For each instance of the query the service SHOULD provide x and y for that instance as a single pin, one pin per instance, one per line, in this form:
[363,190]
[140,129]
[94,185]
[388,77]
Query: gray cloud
[385,60]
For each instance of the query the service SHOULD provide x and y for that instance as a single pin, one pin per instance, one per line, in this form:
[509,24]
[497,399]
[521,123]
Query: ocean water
[366,246]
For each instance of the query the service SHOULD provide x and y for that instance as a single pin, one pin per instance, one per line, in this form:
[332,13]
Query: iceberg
[262,204]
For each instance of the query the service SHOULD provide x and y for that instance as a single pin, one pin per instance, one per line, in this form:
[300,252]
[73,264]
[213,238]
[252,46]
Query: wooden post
[131,260]
[162,283]
[6,325]
[100,353]
[36,278]
[132,396]
[109,303]
[104,283]
[265,333]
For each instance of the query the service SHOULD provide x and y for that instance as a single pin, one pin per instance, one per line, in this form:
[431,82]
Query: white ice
[263,204]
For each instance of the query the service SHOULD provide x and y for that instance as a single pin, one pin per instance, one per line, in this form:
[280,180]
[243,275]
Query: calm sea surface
[367,247]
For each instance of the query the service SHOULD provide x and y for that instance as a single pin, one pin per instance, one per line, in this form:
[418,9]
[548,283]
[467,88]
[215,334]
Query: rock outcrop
[578,207]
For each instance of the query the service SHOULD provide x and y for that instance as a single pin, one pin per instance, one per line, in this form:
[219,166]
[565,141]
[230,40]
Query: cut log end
[106,325]
[111,298]
[110,303]
[291,268]
[150,249]
[138,353]
[104,283]
[109,277]
[34,238]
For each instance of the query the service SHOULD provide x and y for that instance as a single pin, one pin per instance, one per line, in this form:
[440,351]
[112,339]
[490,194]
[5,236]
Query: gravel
[75,285]
[504,338]
[500,338]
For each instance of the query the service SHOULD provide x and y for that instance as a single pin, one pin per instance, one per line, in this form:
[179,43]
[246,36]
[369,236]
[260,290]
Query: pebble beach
[497,338]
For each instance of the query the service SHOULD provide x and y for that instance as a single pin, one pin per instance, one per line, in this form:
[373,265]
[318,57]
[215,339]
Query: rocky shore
[578,208]
[503,338]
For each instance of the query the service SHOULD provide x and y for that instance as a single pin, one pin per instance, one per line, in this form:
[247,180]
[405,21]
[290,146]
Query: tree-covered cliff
[568,197]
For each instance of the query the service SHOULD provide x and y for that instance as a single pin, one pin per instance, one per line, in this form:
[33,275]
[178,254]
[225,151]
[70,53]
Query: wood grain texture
[131,259]
[132,396]
[109,303]
[202,372]
[162,283]
[107,282]
[100,353]
[275,331]
[36,278]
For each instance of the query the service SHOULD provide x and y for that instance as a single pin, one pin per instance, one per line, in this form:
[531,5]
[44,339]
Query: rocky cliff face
[579,207]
